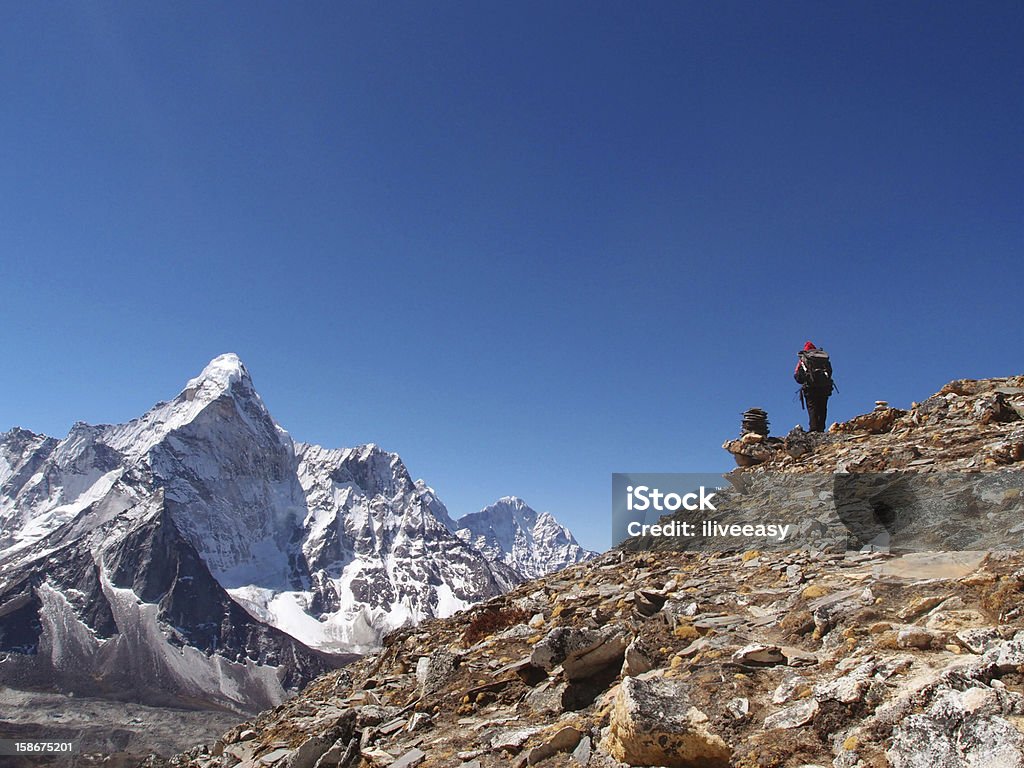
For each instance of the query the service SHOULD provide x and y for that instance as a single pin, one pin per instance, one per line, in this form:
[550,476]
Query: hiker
[814,375]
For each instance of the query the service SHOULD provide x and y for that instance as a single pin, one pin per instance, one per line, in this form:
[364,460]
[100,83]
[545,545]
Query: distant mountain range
[531,543]
[198,555]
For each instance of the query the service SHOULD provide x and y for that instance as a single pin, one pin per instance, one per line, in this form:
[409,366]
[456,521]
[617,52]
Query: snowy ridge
[297,547]
[224,377]
[533,543]
[384,543]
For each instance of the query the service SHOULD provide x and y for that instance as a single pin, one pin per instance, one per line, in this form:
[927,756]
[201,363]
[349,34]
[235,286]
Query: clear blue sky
[525,245]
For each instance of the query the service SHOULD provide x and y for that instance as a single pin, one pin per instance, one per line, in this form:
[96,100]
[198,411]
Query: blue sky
[525,245]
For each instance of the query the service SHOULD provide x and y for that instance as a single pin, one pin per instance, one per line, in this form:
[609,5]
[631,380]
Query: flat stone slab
[932,565]
[273,757]
[411,758]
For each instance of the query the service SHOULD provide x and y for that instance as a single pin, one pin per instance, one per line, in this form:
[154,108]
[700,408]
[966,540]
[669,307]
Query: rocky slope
[198,557]
[751,659]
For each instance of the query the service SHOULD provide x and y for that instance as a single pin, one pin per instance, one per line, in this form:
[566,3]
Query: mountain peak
[511,531]
[224,376]
[220,374]
[509,505]
[511,501]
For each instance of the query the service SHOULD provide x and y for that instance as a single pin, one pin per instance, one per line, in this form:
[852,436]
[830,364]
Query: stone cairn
[755,420]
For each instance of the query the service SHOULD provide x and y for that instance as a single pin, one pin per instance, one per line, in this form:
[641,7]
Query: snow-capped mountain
[199,546]
[379,550]
[531,543]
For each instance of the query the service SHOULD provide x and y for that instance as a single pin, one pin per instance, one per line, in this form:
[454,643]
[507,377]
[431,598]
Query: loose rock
[652,723]
[792,717]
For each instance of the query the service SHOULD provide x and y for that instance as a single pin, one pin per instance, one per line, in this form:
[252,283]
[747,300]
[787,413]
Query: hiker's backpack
[817,370]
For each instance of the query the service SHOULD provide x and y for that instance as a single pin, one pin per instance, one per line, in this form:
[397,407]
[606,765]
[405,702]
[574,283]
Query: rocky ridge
[530,542]
[968,425]
[803,658]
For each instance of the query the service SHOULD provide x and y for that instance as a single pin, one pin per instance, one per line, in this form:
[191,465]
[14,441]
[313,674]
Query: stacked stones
[755,420]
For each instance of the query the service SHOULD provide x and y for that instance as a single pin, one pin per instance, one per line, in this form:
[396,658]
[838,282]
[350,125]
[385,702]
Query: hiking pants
[817,407]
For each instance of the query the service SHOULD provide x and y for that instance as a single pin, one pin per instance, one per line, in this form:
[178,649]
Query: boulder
[978,640]
[434,673]
[581,652]
[919,606]
[653,723]
[961,729]
[547,698]
[1008,656]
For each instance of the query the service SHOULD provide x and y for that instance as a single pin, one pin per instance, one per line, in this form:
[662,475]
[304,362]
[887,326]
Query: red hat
[808,345]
